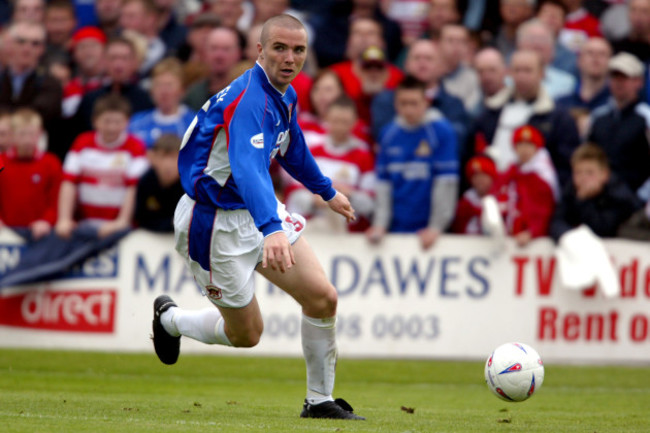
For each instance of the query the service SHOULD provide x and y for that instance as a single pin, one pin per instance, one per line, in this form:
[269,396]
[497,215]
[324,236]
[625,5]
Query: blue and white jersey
[410,159]
[149,125]
[227,150]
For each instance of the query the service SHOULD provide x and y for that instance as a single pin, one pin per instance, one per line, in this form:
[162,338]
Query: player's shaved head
[285,21]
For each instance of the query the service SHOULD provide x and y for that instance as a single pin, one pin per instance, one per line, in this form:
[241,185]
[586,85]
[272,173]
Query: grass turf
[56,391]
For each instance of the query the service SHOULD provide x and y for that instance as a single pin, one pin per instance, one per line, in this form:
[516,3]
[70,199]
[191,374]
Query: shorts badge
[213,292]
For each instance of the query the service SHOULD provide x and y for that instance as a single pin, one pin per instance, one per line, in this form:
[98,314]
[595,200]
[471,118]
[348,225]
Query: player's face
[283,55]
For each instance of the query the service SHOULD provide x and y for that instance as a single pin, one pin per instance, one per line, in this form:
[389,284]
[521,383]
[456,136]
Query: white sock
[319,349]
[205,325]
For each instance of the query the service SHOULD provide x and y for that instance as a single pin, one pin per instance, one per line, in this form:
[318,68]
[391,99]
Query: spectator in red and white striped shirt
[101,171]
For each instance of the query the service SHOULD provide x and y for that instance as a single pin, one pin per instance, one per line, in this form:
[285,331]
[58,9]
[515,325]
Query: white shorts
[223,248]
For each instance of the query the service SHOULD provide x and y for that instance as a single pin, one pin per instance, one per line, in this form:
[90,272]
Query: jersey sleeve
[249,148]
[301,165]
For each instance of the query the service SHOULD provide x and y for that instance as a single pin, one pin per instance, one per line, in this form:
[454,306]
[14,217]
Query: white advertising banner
[457,300]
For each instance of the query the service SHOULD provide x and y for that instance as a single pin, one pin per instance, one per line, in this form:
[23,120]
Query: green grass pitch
[57,391]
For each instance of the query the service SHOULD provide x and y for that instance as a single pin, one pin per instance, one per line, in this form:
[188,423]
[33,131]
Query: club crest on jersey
[290,109]
[257,141]
[213,292]
[423,149]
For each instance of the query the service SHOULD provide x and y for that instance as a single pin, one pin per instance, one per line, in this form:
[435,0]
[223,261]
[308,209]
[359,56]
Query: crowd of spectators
[417,110]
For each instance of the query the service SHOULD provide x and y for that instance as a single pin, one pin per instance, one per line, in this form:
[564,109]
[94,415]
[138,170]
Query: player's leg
[238,327]
[225,275]
[307,283]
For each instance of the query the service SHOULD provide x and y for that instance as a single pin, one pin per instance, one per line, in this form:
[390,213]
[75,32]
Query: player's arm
[298,161]
[249,148]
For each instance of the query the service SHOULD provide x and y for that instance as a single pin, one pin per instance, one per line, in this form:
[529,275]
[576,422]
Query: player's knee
[325,304]
[331,301]
[248,337]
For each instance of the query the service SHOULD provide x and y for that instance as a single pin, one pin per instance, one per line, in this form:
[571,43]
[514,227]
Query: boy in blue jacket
[417,169]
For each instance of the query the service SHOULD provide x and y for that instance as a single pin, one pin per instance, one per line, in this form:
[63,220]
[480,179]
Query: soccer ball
[514,371]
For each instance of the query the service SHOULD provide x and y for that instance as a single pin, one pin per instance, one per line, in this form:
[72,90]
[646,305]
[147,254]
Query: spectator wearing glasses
[22,82]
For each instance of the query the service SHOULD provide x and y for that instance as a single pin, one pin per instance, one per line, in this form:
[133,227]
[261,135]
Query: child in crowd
[481,172]
[29,185]
[595,198]
[529,188]
[159,189]
[169,116]
[417,169]
[101,171]
[5,131]
[344,159]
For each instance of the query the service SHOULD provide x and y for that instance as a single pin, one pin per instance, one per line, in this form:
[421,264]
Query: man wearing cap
[621,128]
[368,71]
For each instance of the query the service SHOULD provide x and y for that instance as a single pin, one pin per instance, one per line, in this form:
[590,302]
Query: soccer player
[229,222]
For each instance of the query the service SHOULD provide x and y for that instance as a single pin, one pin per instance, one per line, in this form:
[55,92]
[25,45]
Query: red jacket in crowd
[29,189]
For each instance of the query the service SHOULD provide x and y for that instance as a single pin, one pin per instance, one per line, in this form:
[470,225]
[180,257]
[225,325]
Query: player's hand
[375,234]
[64,228]
[277,252]
[428,237]
[341,205]
[40,229]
